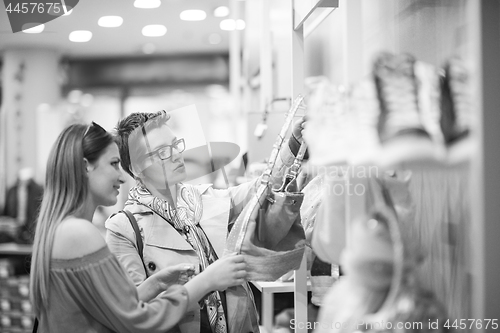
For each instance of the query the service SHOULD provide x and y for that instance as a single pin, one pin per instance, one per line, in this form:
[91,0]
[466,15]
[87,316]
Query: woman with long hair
[76,284]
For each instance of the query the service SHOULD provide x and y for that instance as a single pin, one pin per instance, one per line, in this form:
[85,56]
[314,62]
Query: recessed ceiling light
[154,30]
[147,3]
[148,48]
[221,11]
[35,30]
[80,36]
[87,100]
[240,24]
[193,15]
[230,24]
[74,96]
[214,39]
[110,21]
[227,24]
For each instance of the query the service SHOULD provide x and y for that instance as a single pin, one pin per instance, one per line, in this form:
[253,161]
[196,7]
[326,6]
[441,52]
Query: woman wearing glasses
[178,222]
[76,283]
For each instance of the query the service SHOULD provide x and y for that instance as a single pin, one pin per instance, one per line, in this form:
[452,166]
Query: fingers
[252,223]
[299,127]
[303,121]
[240,266]
[240,272]
[240,281]
[233,257]
[237,258]
[240,275]
[184,268]
[236,265]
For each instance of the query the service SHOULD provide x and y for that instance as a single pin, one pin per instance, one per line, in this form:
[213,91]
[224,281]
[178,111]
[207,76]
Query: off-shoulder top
[94,294]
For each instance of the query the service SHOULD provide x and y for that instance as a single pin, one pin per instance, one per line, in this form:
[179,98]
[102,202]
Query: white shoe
[328,126]
[364,143]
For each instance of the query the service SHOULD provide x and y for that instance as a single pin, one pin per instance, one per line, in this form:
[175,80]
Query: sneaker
[327,129]
[455,108]
[428,78]
[364,142]
[400,126]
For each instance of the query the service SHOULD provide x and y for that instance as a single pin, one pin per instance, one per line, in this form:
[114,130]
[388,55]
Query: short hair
[129,125]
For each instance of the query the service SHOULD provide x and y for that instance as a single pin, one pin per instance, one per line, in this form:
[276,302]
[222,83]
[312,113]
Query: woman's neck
[87,211]
[169,194]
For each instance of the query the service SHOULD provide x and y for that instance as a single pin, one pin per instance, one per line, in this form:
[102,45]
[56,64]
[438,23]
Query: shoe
[455,107]
[400,128]
[428,78]
[364,142]
[327,129]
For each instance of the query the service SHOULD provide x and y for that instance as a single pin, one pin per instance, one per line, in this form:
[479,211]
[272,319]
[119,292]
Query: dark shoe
[455,103]
[400,127]
[397,91]
[456,114]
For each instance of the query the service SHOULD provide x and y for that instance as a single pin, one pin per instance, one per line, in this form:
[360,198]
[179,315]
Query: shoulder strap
[35,325]
[138,238]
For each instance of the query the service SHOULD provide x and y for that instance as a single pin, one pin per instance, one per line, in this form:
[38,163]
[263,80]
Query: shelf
[304,8]
[15,249]
[276,287]
[268,289]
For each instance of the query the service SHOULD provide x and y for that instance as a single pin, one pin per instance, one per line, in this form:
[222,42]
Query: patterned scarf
[185,218]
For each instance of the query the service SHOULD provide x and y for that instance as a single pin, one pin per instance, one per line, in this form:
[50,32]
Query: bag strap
[35,325]
[138,238]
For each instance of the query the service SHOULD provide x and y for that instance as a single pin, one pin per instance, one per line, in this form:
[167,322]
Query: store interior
[249,66]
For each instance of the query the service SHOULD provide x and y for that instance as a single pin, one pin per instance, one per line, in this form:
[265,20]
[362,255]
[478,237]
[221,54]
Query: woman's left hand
[298,127]
[178,274]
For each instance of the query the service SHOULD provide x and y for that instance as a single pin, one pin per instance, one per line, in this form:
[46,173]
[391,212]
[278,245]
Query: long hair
[66,190]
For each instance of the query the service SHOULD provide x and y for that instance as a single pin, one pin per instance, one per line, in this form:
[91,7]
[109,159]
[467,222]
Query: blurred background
[241,63]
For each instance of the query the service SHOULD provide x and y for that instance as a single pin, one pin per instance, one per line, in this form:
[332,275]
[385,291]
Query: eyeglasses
[166,152]
[92,124]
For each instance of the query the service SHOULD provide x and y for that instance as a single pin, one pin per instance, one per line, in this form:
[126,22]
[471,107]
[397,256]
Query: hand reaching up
[298,127]
[296,138]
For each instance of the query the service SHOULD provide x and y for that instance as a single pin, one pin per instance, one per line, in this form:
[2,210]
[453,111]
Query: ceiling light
[240,24]
[227,24]
[74,96]
[80,36]
[147,3]
[148,48]
[230,24]
[110,21]
[214,39]
[86,100]
[154,30]
[35,30]
[221,11]
[193,15]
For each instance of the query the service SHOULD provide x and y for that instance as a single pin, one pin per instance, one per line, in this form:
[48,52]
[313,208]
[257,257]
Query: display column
[30,77]
[485,228]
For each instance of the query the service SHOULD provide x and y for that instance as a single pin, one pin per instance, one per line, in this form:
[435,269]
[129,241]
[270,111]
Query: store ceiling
[182,37]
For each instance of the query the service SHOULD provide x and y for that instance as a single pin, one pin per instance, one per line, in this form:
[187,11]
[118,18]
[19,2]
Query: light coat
[164,246]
